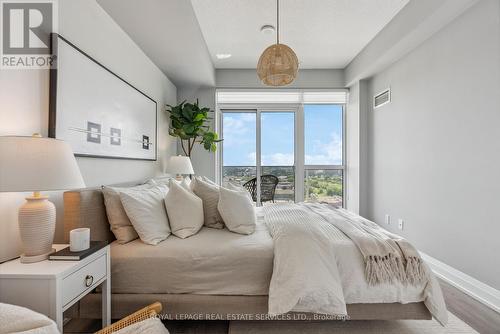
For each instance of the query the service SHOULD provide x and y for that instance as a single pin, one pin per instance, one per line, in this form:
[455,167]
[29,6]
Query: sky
[322,132]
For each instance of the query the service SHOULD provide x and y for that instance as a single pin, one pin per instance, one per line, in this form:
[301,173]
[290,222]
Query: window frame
[299,138]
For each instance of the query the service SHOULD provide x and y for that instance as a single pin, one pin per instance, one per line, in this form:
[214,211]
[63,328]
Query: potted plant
[190,124]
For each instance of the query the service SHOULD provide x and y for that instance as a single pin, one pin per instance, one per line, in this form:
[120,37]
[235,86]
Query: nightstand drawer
[83,279]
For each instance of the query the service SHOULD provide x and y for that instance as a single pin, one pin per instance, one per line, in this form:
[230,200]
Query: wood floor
[480,317]
[483,319]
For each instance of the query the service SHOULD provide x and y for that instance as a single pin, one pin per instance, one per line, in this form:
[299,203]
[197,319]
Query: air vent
[382,98]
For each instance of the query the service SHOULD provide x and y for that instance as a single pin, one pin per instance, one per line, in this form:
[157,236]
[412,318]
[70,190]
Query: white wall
[433,153]
[356,148]
[202,160]
[247,78]
[24,98]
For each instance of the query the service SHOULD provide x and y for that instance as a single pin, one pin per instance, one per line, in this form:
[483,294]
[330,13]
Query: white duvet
[318,269]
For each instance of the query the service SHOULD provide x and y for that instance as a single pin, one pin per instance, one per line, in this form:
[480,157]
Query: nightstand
[51,287]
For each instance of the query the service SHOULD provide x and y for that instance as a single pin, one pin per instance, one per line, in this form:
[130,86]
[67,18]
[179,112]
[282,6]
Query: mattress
[219,262]
[213,261]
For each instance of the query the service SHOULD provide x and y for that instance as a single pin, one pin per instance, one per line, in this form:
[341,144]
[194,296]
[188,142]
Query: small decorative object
[189,123]
[179,165]
[278,64]
[79,239]
[35,164]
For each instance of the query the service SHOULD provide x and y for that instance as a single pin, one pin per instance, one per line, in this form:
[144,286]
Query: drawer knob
[89,279]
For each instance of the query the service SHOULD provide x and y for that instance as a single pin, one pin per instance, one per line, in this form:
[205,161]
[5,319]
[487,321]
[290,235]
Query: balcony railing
[320,185]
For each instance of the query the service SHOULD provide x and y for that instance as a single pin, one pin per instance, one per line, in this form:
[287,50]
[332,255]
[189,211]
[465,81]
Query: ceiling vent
[382,98]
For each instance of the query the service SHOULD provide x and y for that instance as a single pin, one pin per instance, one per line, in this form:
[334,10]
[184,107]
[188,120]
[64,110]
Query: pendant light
[278,64]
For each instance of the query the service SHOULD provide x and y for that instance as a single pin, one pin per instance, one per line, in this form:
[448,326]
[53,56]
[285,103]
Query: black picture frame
[53,97]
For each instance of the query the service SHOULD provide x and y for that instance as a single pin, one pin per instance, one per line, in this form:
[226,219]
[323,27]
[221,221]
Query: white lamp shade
[37,164]
[179,165]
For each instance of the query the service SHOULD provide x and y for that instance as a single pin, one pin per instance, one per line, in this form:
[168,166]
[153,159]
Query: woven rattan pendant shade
[278,65]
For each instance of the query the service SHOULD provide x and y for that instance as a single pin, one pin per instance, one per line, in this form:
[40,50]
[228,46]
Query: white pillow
[206,179]
[184,209]
[150,326]
[237,187]
[209,194]
[237,210]
[119,222]
[17,319]
[146,211]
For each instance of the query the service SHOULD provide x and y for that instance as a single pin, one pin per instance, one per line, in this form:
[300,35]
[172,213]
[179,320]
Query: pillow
[166,181]
[209,194]
[118,220]
[237,187]
[206,179]
[237,210]
[17,319]
[151,326]
[185,211]
[147,213]
[162,180]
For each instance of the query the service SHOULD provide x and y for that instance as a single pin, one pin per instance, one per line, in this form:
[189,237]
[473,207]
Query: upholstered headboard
[85,208]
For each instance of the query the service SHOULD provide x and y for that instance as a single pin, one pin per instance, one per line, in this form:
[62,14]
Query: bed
[218,274]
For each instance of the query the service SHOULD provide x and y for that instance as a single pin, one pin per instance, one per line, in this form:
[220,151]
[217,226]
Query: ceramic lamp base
[37,224]
[36,258]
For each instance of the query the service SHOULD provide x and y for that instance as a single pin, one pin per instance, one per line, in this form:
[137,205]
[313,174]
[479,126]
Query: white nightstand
[51,287]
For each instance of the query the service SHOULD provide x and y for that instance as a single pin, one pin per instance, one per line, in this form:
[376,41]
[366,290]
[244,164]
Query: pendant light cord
[277,21]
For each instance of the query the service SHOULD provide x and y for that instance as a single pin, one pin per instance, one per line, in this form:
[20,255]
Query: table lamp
[36,164]
[179,165]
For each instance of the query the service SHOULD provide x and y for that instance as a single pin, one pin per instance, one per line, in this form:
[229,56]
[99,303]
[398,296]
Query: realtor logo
[26,33]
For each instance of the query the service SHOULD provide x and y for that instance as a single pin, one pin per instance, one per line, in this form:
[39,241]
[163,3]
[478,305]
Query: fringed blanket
[388,257]
[309,248]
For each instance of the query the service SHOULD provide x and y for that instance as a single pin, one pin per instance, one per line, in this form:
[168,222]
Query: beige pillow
[150,325]
[184,209]
[118,220]
[146,211]
[237,210]
[209,194]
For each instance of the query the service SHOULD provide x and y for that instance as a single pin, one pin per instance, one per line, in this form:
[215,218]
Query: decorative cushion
[118,220]
[237,210]
[146,211]
[185,210]
[162,180]
[237,187]
[206,179]
[150,326]
[209,194]
[17,319]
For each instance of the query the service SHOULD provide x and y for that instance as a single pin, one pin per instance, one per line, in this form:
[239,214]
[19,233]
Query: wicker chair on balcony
[268,185]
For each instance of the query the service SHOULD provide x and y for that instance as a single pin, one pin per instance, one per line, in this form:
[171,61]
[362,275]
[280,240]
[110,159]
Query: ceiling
[182,37]
[168,33]
[323,33]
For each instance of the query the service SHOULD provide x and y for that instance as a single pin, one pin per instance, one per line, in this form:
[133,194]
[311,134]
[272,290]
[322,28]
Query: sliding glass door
[240,140]
[277,156]
[260,145]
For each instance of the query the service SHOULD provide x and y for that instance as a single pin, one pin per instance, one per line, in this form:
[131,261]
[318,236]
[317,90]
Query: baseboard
[476,289]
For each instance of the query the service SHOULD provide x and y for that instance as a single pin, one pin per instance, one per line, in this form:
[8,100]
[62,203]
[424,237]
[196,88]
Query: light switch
[401,224]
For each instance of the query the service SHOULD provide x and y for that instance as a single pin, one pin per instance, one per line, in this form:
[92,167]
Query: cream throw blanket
[316,252]
[388,257]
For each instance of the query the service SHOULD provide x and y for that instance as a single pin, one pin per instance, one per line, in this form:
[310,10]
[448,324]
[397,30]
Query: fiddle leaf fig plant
[191,124]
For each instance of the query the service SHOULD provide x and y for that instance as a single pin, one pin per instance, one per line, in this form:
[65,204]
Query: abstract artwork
[93,132]
[116,136]
[97,112]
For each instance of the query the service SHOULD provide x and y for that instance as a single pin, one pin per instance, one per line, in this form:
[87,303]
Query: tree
[190,124]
